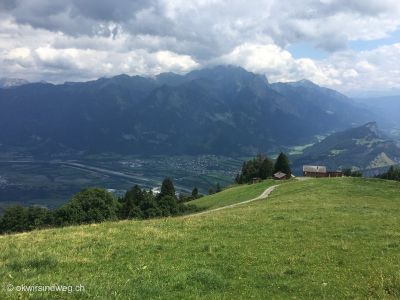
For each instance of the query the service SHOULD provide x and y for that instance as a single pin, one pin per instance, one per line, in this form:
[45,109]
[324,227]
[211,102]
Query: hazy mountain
[327,107]
[373,94]
[388,107]
[228,115]
[363,148]
[11,82]
[51,118]
[220,110]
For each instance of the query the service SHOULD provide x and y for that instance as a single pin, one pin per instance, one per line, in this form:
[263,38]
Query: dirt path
[304,178]
[263,195]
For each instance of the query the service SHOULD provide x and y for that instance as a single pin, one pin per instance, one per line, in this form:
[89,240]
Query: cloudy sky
[347,45]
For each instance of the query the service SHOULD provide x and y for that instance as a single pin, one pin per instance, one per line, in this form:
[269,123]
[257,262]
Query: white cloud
[350,73]
[344,71]
[80,40]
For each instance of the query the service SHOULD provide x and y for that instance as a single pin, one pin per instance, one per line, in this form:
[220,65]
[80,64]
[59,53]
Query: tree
[346,172]
[132,199]
[238,178]
[211,190]
[90,205]
[150,209]
[37,217]
[167,189]
[195,192]
[168,206]
[267,169]
[219,189]
[135,213]
[15,219]
[282,164]
[356,174]
[390,173]
[260,160]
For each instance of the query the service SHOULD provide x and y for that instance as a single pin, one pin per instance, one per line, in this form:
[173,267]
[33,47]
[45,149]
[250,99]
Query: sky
[346,45]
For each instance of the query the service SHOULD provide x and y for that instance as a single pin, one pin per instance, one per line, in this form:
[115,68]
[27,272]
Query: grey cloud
[363,7]
[333,42]
[75,18]
[203,32]
[8,4]
[23,62]
[116,11]
[109,32]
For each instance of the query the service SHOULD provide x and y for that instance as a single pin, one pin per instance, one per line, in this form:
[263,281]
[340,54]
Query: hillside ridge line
[265,194]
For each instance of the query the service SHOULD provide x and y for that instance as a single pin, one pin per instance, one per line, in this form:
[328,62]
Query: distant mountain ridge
[362,148]
[12,82]
[223,110]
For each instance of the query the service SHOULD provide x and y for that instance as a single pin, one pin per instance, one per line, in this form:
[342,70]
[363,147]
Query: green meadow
[233,195]
[333,238]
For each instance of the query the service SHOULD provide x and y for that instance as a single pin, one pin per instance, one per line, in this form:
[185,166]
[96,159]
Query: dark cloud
[22,62]
[75,18]
[201,30]
[8,4]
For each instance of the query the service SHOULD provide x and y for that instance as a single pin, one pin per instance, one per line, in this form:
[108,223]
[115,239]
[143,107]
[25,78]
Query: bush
[356,174]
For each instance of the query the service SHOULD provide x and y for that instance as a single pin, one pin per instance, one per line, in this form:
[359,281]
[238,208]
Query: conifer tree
[218,187]
[282,164]
[195,192]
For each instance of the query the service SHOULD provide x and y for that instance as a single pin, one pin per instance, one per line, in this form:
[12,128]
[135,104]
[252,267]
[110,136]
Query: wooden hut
[314,171]
[319,171]
[280,176]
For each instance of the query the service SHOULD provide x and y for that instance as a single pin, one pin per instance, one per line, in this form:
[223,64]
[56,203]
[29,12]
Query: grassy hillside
[233,195]
[315,239]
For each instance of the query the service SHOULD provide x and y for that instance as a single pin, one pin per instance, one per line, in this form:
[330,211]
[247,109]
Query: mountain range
[12,82]
[363,148]
[224,110]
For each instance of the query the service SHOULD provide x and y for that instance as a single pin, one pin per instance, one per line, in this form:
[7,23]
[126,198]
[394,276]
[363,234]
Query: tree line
[349,173]
[263,168]
[95,205]
[391,174]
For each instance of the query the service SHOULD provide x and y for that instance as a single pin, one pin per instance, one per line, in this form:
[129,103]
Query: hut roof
[279,175]
[314,169]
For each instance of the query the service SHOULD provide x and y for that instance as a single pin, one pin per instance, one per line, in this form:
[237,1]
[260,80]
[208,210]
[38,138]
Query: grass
[335,152]
[233,195]
[369,143]
[381,161]
[316,239]
[299,149]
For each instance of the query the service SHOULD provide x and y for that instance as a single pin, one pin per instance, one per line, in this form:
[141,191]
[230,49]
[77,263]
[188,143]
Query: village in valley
[200,165]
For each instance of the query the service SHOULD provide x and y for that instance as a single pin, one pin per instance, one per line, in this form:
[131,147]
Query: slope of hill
[281,247]
[233,195]
[361,148]
[223,110]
